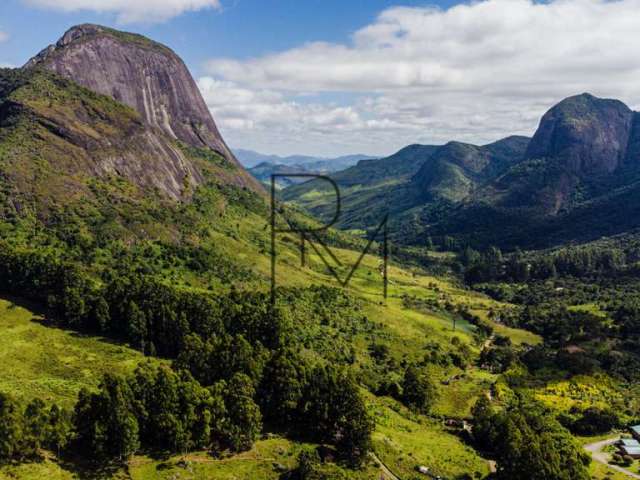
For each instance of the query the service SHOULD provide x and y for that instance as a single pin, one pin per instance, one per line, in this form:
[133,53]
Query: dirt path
[595,449]
[385,469]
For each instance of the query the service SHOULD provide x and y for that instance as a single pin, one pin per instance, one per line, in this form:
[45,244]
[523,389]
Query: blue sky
[239,28]
[331,77]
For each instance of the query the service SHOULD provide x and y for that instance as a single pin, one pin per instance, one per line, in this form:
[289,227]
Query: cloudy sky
[334,77]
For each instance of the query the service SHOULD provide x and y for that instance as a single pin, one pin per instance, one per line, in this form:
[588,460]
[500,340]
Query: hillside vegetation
[144,342]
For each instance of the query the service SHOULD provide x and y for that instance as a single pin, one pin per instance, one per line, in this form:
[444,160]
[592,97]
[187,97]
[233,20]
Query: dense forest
[234,357]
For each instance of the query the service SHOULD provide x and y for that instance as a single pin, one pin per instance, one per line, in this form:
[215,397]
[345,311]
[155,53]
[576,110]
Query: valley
[140,341]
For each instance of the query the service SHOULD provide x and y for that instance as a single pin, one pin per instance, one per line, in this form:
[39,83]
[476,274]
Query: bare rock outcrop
[585,133]
[144,75]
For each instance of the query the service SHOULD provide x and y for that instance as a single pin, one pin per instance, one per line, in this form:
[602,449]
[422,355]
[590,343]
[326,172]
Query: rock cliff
[587,134]
[145,75]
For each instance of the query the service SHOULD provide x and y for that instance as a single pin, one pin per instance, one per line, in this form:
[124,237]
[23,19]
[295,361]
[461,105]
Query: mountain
[250,159]
[456,169]
[575,180]
[579,180]
[414,176]
[108,129]
[146,76]
[263,172]
[580,140]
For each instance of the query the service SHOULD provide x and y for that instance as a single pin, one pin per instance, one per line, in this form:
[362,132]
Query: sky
[337,77]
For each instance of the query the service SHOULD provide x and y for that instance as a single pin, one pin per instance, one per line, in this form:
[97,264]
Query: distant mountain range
[265,170]
[262,166]
[250,159]
[577,179]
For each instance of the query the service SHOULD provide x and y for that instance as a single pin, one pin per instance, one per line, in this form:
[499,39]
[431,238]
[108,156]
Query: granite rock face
[586,134]
[145,75]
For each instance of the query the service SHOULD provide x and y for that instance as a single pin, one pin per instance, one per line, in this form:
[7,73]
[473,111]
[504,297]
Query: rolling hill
[250,159]
[263,166]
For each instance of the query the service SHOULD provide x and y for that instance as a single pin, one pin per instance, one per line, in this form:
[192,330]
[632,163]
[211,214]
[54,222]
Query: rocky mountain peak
[585,133]
[142,74]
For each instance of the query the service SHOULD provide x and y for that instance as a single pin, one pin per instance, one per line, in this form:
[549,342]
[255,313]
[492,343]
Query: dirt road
[595,449]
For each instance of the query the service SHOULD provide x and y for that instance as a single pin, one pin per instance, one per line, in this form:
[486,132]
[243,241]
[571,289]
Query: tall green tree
[245,419]
[529,443]
[419,392]
[104,422]
[11,428]
[282,387]
[36,421]
[58,430]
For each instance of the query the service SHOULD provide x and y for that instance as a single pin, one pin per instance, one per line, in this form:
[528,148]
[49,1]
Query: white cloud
[130,11]
[473,72]
[267,120]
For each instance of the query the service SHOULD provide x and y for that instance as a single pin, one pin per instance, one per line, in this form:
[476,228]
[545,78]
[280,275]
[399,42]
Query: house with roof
[630,446]
[633,452]
[628,442]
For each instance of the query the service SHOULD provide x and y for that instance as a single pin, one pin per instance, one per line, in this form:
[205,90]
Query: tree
[595,421]
[11,428]
[470,257]
[245,419]
[418,391]
[282,387]
[354,425]
[220,358]
[35,422]
[529,443]
[173,410]
[58,429]
[333,411]
[136,326]
[483,423]
[101,314]
[219,423]
[307,464]
[518,269]
[429,243]
[104,422]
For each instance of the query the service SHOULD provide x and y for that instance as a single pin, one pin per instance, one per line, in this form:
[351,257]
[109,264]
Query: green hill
[419,178]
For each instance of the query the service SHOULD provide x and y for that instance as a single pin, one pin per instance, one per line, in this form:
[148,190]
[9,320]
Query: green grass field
[404,440]
[43,362]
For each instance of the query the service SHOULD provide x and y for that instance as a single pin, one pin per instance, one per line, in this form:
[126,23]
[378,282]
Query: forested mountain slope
[415,177]
[575,180]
